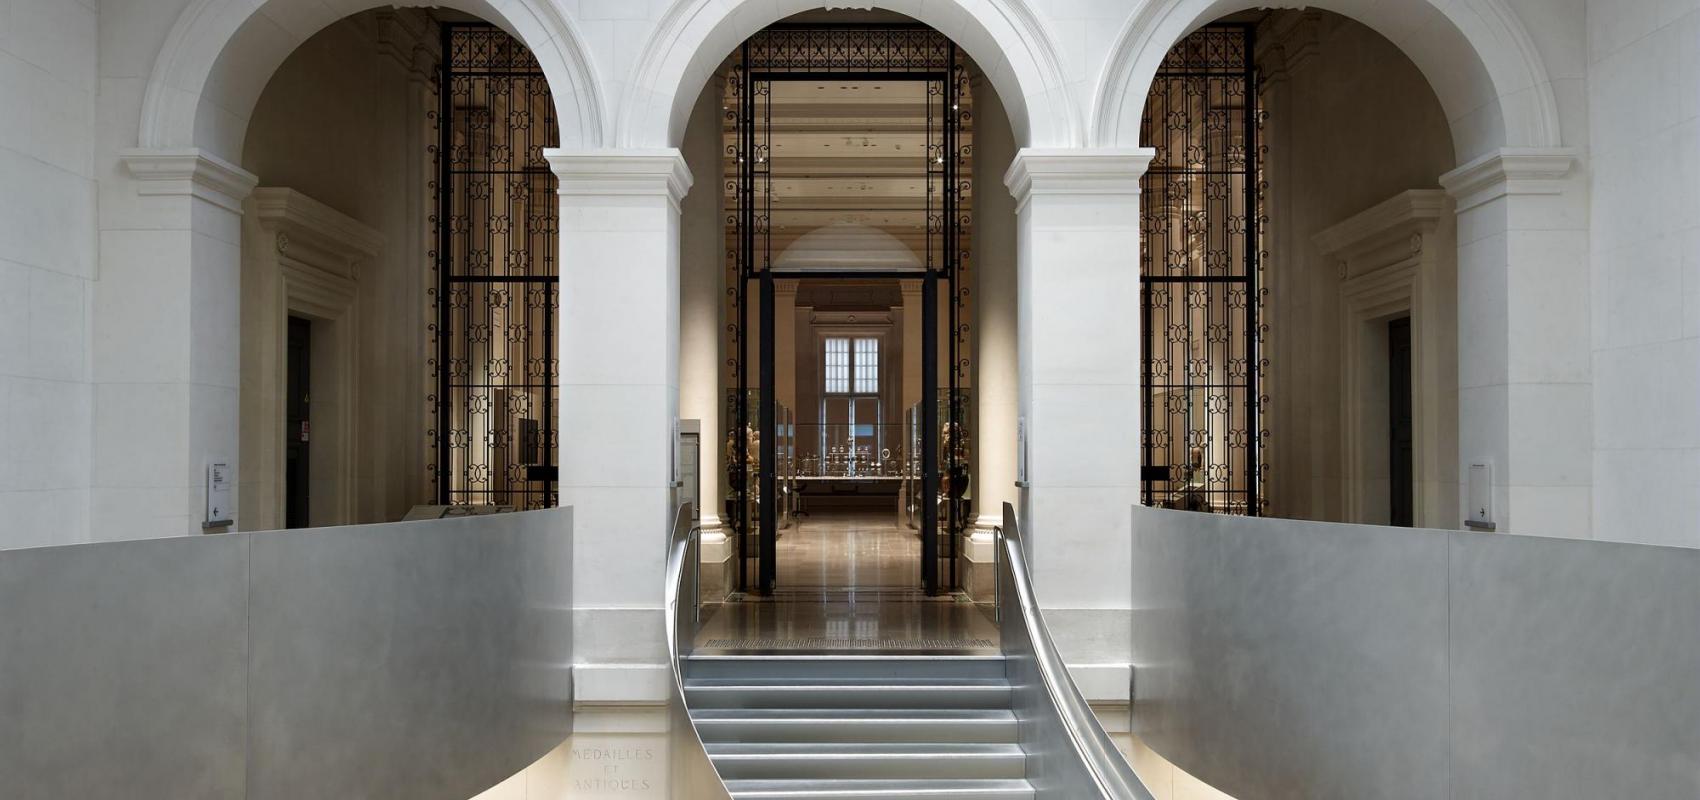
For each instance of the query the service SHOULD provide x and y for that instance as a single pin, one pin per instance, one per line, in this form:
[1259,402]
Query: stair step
[703,693]
[829,761]
[970,725]
[890,668]
[967,789]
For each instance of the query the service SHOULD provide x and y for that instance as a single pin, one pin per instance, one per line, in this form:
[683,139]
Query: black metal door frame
[751,260]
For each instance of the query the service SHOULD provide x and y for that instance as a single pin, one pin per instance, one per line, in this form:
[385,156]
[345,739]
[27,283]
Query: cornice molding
[189,172]
[307,230]
[1391,221]
[1096,171]
[1509,171]
[628,172]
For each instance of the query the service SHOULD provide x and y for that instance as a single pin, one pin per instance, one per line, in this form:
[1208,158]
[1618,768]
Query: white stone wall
[47,268]
[1644,90]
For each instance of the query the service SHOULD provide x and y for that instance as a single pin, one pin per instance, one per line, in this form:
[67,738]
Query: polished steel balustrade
[1068,753]
[693,775]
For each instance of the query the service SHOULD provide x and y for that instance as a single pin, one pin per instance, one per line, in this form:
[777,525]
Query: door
[297,423]
[1401,426]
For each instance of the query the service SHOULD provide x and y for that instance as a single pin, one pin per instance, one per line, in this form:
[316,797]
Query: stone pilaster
[167,332]
[1525,386]
[619,328]
[1077,215]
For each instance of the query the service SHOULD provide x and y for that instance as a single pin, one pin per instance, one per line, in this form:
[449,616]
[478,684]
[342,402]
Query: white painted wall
[47,268]
[1644,92]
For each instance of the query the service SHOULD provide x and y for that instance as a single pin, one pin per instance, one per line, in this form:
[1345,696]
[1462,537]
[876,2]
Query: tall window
[852,438]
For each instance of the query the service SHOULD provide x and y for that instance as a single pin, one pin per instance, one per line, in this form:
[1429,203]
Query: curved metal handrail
[693,776]
[1062,712]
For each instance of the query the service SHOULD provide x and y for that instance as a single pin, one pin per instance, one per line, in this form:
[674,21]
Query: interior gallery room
[802,400]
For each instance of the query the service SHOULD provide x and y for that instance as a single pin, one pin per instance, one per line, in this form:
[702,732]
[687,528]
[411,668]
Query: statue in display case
[955,456]
[1190,496]
[738,474]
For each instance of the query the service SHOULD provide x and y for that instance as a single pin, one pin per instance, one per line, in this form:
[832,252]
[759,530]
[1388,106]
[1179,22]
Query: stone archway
[1476,55]
[219,56]
[1522,248]
[694,37]
[181,227]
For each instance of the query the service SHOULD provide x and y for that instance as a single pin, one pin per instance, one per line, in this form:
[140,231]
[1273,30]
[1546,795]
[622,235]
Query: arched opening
[1482,90]
[398,267]
[1299,277]
[853,267]
[178,223]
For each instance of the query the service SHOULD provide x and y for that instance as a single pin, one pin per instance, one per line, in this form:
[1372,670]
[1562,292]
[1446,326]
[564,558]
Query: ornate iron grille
[889,52]
[851,48]
[1201,278]
[496,278]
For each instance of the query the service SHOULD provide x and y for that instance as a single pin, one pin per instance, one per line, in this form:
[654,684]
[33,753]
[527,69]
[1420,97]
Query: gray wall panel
[425,661]
[123,670]
[1575,669]
[1290,659]
[385,659]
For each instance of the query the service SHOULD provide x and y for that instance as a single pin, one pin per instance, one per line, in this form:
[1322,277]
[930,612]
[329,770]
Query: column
[995,310]
[702,312]
[1525,387]
[911,291]
[619,398]
[785,342]
[167,315]
[1077,238]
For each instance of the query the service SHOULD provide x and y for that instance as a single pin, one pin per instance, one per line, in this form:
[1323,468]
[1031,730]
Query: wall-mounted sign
[219,488]
[1021,451]
[1481,498]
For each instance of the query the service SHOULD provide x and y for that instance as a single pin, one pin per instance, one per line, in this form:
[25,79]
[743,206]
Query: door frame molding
[1398,259]
[301,258]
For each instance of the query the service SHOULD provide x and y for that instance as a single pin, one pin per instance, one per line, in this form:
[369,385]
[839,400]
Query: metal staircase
[823,726]
[840,727]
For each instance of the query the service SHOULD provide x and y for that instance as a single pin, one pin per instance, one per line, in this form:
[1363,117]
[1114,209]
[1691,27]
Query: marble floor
[848,551]
[848,583]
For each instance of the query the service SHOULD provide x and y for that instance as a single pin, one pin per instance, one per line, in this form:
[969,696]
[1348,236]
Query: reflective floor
[847,550]
[848,583]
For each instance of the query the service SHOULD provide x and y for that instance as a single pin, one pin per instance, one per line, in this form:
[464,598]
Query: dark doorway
[298,422]
[1400,426]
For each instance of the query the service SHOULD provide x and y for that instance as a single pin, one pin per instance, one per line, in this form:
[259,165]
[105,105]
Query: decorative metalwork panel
[496,287]
[851,48]
[1201,281]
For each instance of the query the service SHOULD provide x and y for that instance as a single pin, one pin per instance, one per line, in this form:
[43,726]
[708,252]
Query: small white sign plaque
[1481,498]
[218,495]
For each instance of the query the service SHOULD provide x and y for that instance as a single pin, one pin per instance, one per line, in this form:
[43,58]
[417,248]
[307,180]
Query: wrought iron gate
[496,277]
[1201,280]
[893,52]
